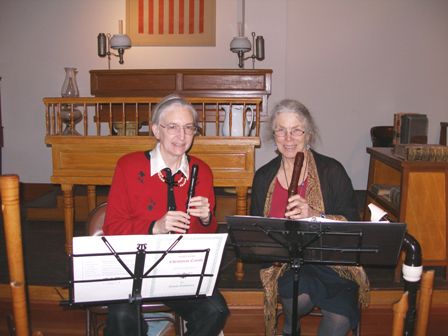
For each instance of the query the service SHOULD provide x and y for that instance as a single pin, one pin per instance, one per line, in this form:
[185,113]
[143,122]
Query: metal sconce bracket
[257,49]
[119,42]
[241,45]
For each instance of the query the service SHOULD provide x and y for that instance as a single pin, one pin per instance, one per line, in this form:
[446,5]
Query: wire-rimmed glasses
[283,132]
[174,129]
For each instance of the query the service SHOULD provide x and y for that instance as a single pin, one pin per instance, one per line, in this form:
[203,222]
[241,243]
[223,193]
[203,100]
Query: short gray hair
[296,107]
[169,101]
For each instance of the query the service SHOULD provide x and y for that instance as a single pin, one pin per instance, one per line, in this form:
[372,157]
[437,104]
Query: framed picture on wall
[171,22]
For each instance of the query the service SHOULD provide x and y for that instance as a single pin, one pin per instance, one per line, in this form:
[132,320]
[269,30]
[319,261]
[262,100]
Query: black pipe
[413,251]
[412,273]
[412,262]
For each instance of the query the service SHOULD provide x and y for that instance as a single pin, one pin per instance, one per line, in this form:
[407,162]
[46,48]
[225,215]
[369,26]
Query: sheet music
[316,240]
[311,219]
[92,260]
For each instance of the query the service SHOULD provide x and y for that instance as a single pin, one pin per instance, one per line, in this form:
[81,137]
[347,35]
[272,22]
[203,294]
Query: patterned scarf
[269,276]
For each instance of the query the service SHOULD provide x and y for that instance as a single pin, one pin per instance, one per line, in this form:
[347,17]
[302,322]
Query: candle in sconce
[120,27]
[259,48]
[240,29]
[102,45]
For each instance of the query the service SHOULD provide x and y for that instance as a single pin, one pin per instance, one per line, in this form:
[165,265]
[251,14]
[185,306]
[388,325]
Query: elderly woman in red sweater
[149,194]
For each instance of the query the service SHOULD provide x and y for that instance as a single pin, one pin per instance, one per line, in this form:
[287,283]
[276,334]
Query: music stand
[298,242]
[176,267]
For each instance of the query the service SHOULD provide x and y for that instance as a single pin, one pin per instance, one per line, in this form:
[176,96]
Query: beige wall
[352,62]
[356,62]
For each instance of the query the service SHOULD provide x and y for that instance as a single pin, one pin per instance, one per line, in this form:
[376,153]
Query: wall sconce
[118,42]
[241,45]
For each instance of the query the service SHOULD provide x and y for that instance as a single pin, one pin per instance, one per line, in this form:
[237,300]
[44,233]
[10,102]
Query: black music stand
[298,242]
[142,271]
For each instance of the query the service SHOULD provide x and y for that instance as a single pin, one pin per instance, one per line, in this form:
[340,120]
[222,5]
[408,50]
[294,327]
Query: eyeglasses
[283,132]
[174,129]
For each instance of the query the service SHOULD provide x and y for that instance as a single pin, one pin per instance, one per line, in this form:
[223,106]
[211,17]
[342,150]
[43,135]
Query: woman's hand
[200,207]
[298,208]
[172,221]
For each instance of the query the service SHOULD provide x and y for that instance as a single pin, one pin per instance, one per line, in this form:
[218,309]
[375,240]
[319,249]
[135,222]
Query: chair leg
[424,303]
[91,323]
[400,308]
[96,326]
[87,322]
[92,327]
[178,325]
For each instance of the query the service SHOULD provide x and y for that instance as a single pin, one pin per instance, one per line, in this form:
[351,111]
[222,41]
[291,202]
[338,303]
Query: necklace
[284,172]
[286,176]
[179,183]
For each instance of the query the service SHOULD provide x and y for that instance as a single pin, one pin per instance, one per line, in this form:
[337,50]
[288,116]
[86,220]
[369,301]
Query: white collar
[158,164]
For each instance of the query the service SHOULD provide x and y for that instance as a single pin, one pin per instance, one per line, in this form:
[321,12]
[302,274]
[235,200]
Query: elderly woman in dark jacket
[323,190]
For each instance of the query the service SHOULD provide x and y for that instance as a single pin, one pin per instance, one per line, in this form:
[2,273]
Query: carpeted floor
[47,264]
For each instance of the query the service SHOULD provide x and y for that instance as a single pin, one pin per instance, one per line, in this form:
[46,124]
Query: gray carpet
[47,264]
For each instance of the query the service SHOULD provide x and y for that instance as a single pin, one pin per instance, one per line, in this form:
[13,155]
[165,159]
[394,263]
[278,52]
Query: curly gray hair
[296,107]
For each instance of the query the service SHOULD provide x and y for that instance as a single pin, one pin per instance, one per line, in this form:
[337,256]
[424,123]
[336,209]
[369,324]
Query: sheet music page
[107,280]
[320,219]
[308,219]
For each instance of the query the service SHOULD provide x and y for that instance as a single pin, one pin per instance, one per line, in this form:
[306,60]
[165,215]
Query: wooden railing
[132,115]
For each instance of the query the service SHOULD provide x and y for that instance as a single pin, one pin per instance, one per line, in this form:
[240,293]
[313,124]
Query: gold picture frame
[171,22]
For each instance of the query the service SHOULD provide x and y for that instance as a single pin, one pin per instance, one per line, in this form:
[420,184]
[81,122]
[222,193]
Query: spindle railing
[124,116]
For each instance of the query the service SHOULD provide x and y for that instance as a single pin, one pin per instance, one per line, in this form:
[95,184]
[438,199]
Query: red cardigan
[136,198]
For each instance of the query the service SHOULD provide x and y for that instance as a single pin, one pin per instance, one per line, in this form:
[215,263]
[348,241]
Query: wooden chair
[423,307]
[94,227]
[19,324]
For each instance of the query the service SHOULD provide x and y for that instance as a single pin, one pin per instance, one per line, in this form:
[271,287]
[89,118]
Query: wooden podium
[423,199]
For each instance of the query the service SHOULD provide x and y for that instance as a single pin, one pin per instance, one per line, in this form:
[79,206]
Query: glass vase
[70,115]
[70,87]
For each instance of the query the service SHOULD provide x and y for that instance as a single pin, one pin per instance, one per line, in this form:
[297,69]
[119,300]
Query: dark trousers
[204,316]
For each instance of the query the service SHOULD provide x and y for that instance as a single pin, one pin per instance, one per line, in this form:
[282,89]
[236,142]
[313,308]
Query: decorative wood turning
[9,185]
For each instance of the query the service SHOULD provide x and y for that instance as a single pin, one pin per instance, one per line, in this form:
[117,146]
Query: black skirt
[326,288]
